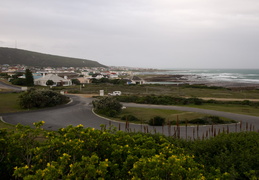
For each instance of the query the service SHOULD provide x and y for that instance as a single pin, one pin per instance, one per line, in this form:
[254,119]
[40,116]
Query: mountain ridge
[13,56]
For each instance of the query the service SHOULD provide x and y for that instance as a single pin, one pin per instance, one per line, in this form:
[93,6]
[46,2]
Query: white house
[136,80]
[58,81]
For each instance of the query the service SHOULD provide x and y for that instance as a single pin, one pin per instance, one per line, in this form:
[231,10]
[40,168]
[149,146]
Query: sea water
[218,75]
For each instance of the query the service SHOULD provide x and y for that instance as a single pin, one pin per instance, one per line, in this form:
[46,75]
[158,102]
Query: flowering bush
[86,153]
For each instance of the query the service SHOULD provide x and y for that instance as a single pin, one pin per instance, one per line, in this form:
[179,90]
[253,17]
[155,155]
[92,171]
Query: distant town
[66,76]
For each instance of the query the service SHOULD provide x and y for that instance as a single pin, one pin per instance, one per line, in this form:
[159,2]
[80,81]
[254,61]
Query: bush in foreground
[79,153]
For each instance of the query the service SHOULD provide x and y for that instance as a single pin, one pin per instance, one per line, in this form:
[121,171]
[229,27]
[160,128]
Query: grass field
[167,90]
[9,102]
[238,109]
[145,114]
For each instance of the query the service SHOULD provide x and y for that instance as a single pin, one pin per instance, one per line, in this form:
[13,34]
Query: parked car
[115,93]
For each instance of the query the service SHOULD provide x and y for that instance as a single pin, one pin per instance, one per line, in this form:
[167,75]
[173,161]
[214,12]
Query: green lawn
[145,114]
[9,102]
[239,109]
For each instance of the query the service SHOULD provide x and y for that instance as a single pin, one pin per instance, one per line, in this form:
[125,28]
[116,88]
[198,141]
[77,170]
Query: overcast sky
[137,33]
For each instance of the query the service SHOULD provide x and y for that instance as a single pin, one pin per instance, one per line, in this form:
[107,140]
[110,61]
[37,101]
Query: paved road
[80,112]
[9,86]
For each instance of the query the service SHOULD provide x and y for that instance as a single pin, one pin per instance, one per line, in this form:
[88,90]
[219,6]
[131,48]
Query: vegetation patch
[172,100]
[157,121]
[129,118]
[86,153]
[107,106]
[209,120]
[41,98]
[9,102]
[173,117]
[163,100]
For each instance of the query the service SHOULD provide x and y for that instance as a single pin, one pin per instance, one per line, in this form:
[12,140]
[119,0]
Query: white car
[115,93]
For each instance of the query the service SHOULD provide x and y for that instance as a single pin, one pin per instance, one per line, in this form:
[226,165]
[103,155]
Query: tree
[29,78]
[16,75]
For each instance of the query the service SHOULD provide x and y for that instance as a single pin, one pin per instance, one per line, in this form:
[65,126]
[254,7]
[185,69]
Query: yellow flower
[65,154]
[80,125]
[26,167]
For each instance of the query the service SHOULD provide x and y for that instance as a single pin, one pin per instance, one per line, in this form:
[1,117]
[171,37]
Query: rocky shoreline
[194,79]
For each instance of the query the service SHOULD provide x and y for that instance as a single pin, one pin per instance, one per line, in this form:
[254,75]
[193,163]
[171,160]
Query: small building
[136,80]
[84,80]
[98,76]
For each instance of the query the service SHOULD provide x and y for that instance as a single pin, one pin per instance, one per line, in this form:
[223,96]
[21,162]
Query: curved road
[79,111]
[9,86]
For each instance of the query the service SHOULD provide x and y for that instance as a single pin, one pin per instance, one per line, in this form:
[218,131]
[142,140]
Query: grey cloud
[153,33]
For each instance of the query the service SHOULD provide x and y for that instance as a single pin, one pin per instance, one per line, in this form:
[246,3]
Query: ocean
[250,76]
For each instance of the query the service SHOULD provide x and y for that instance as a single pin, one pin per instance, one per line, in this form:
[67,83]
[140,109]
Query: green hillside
[13,56]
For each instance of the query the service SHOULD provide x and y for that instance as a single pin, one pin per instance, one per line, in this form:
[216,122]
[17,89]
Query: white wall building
[58,81]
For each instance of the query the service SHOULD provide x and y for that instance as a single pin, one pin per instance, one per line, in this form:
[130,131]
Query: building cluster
[63,76]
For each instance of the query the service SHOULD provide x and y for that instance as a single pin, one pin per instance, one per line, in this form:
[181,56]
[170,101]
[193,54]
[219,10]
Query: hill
[13,56]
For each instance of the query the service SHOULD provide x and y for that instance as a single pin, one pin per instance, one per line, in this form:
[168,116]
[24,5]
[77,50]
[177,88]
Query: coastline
[194,80]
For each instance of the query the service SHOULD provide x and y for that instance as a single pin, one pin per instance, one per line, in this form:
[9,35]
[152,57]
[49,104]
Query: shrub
[216,120]
[108,106]
[234,153]
[41,98]
[210,120]
[156,121]
[198,121]
[164,100]
[129,118]
[19,81]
